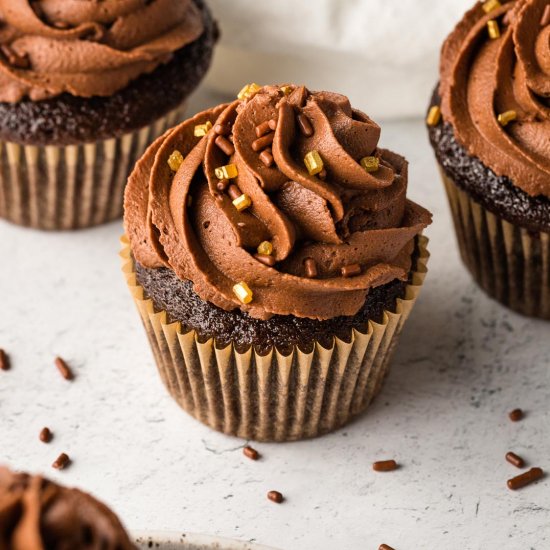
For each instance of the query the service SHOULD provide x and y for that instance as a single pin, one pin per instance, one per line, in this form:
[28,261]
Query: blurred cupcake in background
[84,88]
[37,514]
[489,124]
[274,258]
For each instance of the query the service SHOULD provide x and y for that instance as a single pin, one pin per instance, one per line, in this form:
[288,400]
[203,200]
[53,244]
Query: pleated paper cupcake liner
[508,262]
[273,397]
[75,186]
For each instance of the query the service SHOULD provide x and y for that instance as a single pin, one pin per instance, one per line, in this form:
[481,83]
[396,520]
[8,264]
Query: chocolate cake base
[498,194]
[179,300]
[67,120]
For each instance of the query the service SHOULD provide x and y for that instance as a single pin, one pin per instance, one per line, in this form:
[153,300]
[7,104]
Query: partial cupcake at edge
[37,514]
[489,124]
[274,257]
[85,87]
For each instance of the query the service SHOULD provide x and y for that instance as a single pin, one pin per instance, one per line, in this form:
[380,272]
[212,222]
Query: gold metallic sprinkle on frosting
[494,29]
[491,5]
[313,162]
[248,91]
[175,160]
[370,164]
[505,118]
[243,292]
[265,248]
[242,203]
[434,116]
[286,89]
[203,129]
[227,172]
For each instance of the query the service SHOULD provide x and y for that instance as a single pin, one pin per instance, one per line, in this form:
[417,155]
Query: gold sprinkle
[286,90]
[242,203]
[249,91]
[370,164]
[175,160]
[491,5]
[505,118]
[434,116]
[227,172]
[313,162]
[243,292]
[265,248]
[494,29]
[203,129]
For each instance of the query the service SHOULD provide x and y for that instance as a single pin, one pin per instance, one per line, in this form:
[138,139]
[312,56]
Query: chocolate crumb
[516,415]
[61,462]
[251,453]
[45,435]
[64,369]
[4,360]
[275,496]
[384,466]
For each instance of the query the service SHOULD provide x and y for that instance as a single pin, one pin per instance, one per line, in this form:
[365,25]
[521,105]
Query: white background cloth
[383,54]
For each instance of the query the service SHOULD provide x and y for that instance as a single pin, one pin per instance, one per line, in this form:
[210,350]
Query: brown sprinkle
[61,462]
[275,496]
[267,158]
[545,17]
[225,145]
[222,185]
[518,482]
[515,460]
[251,453]
[64,369]
[351,270]
[263,129]
[516,415]
[222,129]
[311,268]
[273,124]
[263,142]
[384,466]
[234,192]
[385,547]
[4,360]
[305,125]
[45,435]
[265,259]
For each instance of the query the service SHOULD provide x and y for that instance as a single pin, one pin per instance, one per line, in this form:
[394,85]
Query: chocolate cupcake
[274,257]
[489,124]
[85,87]
[37,514]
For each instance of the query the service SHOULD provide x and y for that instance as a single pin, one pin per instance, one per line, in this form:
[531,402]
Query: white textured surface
[370,50]
[462,364]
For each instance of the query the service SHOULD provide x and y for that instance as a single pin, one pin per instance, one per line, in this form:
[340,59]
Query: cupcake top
[495,89]
[88,48]
[36,514]
[280,202]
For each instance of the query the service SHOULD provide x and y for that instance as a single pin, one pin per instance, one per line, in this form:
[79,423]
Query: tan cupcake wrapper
[273,397]
[74,186]
[509,262]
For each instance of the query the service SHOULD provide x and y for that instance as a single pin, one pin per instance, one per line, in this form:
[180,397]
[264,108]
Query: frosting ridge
[484,77]
[355,226]
[36,514]
[88,48]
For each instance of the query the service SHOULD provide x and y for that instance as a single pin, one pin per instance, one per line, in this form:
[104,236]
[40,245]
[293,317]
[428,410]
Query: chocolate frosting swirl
[88,48]
[36,514]
[351,217]
[483,77]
